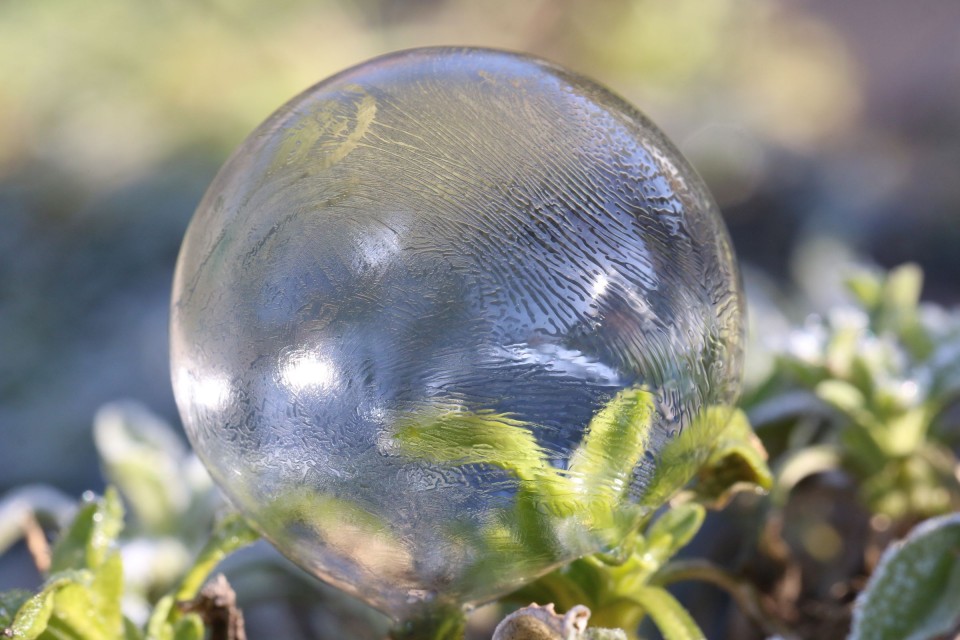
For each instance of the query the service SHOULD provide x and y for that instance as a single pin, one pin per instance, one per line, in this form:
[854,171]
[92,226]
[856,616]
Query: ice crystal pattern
[408,294]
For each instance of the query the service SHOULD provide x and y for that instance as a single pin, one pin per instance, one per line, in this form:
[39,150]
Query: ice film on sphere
[434,320]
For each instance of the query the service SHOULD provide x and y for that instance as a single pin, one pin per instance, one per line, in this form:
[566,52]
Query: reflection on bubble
[435,319]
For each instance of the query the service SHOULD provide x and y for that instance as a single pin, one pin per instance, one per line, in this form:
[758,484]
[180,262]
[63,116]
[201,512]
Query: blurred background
[823,128]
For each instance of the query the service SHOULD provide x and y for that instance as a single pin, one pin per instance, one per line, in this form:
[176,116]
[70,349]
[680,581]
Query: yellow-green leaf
[90,609]
[615,441]
[737,460]
[461,437]
[672,531]
[32,617]
[673,621]
[91,535]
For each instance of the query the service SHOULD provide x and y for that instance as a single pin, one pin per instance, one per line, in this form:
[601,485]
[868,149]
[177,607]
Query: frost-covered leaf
[79,604]
[142,456]
[90,610]
[11,602]
[914,593]
[31,618]
[81,599]
[91,535]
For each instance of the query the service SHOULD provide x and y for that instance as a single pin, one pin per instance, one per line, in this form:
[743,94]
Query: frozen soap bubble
[436,318]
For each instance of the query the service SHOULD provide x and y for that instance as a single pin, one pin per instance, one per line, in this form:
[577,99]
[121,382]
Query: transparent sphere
[434,320]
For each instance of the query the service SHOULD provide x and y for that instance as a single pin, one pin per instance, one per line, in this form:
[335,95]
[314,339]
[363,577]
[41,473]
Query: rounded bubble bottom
[434,320]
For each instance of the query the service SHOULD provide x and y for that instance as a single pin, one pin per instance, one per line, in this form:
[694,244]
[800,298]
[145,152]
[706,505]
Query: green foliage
[863,393]
[82,596]
[460,437]
[620,591]
[438,624]
[168,490]
[914,593]
[613,445]
[230,534]
[84,592]
[736,460]
[614,442]
[881,371]
[621,588]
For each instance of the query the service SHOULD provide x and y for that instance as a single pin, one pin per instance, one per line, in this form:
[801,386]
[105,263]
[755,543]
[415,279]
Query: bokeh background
[823,128]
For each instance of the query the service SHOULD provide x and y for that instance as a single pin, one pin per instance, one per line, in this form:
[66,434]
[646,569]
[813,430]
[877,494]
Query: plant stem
[742,592]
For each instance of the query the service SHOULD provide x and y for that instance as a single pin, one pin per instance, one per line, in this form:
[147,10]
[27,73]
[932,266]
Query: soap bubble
[437,317]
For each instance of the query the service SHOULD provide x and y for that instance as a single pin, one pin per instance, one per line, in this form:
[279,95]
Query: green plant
[140,456]
[879,373]
[856,416]
[860,398]
[914,593]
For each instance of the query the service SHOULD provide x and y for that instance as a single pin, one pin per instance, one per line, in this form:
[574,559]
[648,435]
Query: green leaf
[81,599]
[801,464]
[905,433]
[158,625]
[914,593]
[901,293]
[672,531]
[189,627]
[42,615]
[737,460]
[684,455]
[166,622]
[866,287]
[841,350]
[673,621]
[32,616]
[130,630]
[461,437]
[90,609]
[91,535]
[847,399]
[142,456]
[10,603]
[615,441]
[457,437]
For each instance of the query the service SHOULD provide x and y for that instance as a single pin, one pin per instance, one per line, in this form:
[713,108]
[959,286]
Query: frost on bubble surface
[406,298]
